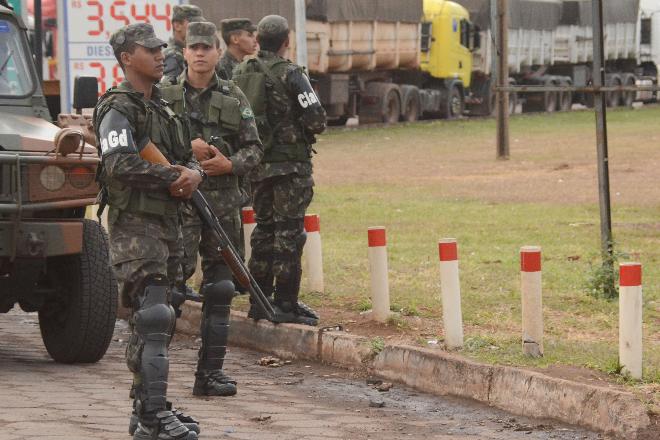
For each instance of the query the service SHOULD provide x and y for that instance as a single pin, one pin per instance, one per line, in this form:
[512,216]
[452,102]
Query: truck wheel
[391,107]
[455,104]
[78,322]
[411,103]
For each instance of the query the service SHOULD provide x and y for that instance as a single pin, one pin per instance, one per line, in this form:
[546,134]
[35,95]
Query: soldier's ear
[125,58]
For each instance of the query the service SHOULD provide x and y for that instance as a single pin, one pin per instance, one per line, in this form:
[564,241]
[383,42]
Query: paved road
[43,400]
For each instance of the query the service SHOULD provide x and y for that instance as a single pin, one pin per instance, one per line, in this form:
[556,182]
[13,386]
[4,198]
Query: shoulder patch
[247,113]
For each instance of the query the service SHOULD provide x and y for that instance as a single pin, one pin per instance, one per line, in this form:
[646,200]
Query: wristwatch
[203,174]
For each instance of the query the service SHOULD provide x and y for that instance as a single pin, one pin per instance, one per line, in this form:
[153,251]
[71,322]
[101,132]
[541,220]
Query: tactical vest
[222,118]
[282,136]
[167,131]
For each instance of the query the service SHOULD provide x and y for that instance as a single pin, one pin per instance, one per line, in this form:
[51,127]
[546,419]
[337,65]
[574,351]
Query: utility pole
[502,79]
[38,40]
[301,33]
[601,139]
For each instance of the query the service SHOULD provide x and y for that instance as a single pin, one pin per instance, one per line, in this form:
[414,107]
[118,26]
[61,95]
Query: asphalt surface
[43,400]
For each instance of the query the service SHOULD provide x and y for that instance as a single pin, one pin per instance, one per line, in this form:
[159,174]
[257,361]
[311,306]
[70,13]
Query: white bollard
[380,290]
[451,293]
[630,318]
[313,253]
[532,306]
[249,223]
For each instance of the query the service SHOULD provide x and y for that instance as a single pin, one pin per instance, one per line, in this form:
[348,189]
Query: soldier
[226,142]
[144,199]
[289,114]
[238,34]
[181,17]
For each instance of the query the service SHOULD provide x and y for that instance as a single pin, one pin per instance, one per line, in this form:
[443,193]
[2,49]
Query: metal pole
[601,135]
[38,40]
[494,54]
[503,79]
[301,33]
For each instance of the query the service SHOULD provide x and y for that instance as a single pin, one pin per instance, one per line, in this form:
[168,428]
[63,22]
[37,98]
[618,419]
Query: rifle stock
[152,154]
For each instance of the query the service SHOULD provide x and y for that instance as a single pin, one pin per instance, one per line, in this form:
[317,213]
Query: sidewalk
[522,392]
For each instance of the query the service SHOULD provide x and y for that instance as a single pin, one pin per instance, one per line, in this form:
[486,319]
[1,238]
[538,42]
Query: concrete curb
[527,393]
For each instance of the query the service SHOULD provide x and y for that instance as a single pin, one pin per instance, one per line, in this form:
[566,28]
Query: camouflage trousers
[141,246]
[277,242]
[198,238]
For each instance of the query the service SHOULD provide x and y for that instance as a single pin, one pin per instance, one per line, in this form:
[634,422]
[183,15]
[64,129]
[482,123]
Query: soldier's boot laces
[213,383]
[188,421]
[210,380]
[163,426]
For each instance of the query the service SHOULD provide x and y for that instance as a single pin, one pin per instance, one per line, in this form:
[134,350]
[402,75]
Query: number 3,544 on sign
[99,18]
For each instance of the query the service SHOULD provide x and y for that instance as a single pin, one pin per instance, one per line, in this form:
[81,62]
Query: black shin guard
[215,324]
[209,378]
[153,321]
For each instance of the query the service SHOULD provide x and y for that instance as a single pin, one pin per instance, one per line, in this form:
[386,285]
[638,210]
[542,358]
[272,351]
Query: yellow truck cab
[447,41]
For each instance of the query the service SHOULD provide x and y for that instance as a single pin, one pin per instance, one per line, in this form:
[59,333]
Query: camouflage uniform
[282,184]
[226,66]
[220,115]
[175,64]
[144,231]
[220,110]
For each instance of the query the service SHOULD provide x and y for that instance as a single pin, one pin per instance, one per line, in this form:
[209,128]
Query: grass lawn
[431,180]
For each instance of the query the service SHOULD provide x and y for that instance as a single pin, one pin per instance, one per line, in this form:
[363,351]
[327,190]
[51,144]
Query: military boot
[188,421]
[287,307]
[163,425]
[210,380]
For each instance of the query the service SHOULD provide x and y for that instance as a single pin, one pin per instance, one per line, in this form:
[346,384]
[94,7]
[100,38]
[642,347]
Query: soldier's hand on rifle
[202,150]
[187,182]
[218,165]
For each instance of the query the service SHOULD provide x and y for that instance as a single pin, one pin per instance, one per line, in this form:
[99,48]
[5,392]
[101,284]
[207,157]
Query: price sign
[86,27]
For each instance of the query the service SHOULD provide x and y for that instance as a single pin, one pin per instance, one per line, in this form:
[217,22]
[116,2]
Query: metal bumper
[40,239]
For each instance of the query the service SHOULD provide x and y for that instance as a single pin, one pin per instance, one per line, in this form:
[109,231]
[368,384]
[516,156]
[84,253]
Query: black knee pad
[220,293]
[154,314]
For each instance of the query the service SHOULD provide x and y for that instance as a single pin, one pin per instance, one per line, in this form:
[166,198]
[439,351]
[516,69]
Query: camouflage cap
[273,25]
[201,32]
[236,24]
[138,33]
[191,13]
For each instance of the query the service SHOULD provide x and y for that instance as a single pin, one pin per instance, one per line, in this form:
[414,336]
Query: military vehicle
[52,260]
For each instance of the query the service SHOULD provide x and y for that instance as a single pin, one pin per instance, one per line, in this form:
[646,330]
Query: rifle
[152,154]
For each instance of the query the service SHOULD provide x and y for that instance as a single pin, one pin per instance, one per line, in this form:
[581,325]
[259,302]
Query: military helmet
[273,25]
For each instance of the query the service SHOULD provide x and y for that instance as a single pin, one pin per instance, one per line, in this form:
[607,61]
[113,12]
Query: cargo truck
[395,60]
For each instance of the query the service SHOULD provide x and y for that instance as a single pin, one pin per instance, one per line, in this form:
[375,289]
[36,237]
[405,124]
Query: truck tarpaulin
[578,12]
[541,15]
[322,10]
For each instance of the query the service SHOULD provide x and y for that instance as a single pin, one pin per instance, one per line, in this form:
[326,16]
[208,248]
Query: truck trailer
[392,60]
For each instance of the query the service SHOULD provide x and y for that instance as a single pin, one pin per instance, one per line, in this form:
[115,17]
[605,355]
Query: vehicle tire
[455,104]
[380,102]
[77,324]
[411,108]
[613,98]
[391,107]
[628,98]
